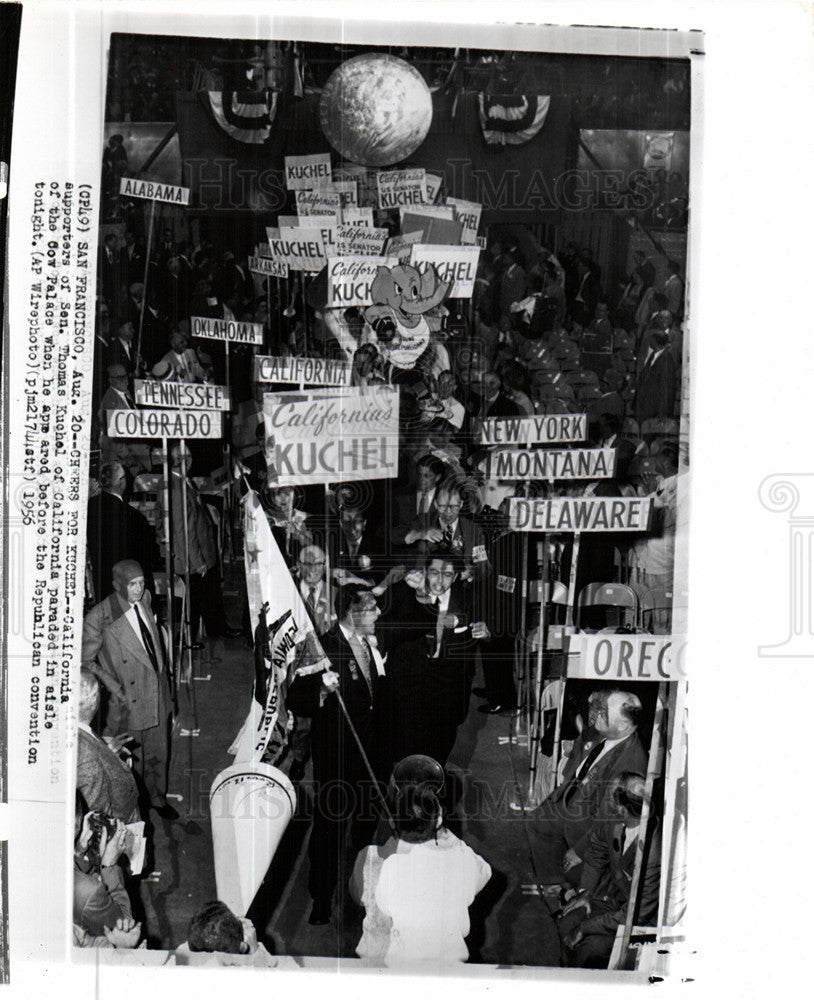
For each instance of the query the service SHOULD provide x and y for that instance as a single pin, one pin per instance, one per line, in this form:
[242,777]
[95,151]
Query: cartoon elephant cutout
[401,317]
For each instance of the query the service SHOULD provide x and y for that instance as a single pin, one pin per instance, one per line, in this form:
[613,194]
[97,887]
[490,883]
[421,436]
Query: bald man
[607,747]
[103,778]
[130,659]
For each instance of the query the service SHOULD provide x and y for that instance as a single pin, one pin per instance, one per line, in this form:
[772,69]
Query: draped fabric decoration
[512,119]
[246,116]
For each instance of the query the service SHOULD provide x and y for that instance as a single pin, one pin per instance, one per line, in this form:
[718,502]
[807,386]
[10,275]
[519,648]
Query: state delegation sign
[554,428]
[304,371]
[187,424]
[630,657]
[577,463]
[181,395]
[456,264]
[569,514]
[131,187]
[227,329]
[266,266]
[322,437]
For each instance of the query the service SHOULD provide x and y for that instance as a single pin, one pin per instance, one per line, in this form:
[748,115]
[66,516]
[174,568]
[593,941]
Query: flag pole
[387,813]
[168,557]
[146,273]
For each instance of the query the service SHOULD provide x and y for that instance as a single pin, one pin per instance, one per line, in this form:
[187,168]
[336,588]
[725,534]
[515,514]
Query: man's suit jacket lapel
[128,638]
[361,686]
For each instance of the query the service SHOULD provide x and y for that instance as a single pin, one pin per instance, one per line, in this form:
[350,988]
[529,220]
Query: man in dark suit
[430,635]
[445,530]
[656,378]
[344,791]
[117,531]
[103,778]
[411,503]
[607,747]
[590,921]
[132,664]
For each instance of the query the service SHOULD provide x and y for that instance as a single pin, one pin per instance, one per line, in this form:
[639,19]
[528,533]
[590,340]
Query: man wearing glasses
[344,791]
[444,529]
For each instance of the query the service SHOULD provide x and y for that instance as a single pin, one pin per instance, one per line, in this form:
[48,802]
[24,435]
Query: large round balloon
[375,109]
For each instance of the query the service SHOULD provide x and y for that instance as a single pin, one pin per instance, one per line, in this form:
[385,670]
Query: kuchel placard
[456,264]
[402,187]
[350,279]
[468,213]
[368,241]
[304,172]
[324,437]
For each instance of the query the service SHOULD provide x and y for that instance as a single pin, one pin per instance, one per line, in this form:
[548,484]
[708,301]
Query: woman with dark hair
[417,888]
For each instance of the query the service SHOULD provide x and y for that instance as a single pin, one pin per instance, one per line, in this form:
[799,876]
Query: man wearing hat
[128,646]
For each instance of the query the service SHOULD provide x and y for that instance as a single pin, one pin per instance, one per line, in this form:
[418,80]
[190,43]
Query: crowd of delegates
[411,583]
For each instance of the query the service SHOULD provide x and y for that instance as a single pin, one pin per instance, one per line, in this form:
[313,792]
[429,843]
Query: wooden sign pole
[535,732]
[146,275]
[653,769]
[165,458]
[186,624]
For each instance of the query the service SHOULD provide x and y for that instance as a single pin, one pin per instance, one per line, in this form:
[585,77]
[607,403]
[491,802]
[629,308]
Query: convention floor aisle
[510,922]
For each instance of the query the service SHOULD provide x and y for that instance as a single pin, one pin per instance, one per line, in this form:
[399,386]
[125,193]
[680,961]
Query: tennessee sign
[629,657]
[154,191]
[578,463]
[181,395]
[554,428]
[227,329]
[318,437]
[580,514]
[164,424]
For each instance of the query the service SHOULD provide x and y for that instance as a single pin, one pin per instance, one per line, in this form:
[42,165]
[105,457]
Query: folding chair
[608,595]
[656,610]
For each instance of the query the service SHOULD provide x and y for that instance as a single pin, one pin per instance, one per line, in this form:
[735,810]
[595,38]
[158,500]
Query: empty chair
[656,610]
[659,427]
[618,600]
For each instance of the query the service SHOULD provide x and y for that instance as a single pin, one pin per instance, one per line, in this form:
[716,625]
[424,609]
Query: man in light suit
[104,779]
[609,746]
[181,358]
[131,662]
